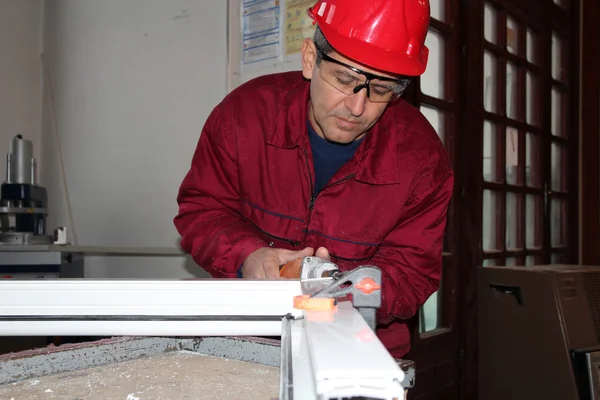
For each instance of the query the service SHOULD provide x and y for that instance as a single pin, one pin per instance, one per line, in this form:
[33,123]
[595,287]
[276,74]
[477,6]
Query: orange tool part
[308,303]
[318,309]
[367,285]
[291,270]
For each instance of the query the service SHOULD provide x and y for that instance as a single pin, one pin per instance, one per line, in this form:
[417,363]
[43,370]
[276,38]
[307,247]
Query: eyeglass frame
[401,82]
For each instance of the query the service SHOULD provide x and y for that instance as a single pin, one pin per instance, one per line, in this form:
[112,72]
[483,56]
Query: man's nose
[356,102]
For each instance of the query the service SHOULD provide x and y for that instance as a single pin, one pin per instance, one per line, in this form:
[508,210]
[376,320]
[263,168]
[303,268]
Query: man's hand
[265,262]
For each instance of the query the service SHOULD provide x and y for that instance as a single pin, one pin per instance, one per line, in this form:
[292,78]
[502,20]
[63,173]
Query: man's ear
[309,58]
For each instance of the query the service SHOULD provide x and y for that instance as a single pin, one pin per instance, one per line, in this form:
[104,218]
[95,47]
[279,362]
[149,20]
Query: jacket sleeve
[410,258]
[211,228]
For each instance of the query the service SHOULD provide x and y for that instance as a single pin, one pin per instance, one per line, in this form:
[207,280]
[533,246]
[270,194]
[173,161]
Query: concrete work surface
[144,369]
[176,375]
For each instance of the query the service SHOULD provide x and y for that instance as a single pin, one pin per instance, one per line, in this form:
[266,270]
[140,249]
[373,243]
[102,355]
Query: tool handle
[291,270]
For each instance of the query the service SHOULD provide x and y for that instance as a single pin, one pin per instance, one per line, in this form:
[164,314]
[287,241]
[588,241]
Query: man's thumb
[322,252]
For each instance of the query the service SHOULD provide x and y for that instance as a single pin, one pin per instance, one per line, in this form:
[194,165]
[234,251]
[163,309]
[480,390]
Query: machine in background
[27,250]
[539,332]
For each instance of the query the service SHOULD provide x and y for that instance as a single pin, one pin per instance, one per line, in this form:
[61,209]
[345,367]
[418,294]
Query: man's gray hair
[322,43]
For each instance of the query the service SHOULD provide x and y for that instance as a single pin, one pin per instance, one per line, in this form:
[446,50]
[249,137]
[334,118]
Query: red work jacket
[251,181]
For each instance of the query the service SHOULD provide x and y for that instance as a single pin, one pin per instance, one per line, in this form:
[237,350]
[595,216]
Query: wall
[128,87]
[20,73]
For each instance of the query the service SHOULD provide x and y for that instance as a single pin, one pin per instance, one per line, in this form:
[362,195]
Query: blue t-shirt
[328,157]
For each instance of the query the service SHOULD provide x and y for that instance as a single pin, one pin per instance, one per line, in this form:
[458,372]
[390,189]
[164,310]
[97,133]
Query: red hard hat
[388,35]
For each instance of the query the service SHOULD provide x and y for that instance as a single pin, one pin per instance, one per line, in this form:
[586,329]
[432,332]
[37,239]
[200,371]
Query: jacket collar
[375,161]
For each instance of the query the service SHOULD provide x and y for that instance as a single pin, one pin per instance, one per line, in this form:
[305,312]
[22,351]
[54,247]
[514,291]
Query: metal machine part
[362,283]
[316,267]
[23,203]
[33,262]
[20,163]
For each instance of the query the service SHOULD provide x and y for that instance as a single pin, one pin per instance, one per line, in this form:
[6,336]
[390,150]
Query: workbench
[144,368]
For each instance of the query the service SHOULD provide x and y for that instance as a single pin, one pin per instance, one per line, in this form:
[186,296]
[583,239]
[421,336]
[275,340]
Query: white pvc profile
[345,357]
[209,307]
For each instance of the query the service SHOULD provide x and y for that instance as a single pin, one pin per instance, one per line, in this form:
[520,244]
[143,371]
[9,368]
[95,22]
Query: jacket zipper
[346,178]
[313,196]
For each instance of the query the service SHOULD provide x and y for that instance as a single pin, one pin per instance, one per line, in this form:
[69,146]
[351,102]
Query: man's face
[335,115]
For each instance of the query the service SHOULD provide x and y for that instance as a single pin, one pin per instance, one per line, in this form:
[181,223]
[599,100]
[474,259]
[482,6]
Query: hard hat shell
[388,35]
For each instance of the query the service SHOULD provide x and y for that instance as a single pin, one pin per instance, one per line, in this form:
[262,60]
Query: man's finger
[271,269]
[258,272]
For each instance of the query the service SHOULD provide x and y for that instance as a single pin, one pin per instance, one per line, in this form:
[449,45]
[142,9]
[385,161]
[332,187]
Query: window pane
[557,115]
[558,217]
[432,81]
[559,167]
[430,314]
[532,161]
[438,9]
[531,46]
[513,172]
[531,260]
[512,35]
[558,72]
[489,82]
[511,91]
[491,171]
[557,258]
[514,205]
[533,229]
[435,118]
[510,262]
[491,28]
[492,208]
[532,99]
[490,262]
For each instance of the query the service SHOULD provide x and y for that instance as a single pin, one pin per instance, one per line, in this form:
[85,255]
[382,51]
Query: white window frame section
[150,307]
[341,358]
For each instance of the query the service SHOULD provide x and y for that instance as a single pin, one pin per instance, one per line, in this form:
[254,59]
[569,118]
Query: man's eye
[381,90]
[345,80]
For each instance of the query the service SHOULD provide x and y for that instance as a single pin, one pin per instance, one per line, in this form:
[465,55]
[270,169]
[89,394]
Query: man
[329,161]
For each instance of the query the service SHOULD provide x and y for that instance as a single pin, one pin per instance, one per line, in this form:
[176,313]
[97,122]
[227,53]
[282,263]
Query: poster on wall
[298,25]
[260,30]
[265,36]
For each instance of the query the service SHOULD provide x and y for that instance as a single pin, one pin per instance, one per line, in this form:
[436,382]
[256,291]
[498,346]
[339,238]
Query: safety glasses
[380,89]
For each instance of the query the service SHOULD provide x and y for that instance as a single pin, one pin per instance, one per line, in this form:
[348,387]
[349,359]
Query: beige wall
[20,73]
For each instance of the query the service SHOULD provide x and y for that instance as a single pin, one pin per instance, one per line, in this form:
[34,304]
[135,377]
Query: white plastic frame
[151,307]
[341,358]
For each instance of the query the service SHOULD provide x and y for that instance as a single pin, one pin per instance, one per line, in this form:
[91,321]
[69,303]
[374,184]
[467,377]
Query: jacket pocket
[343,249]
[275,226]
